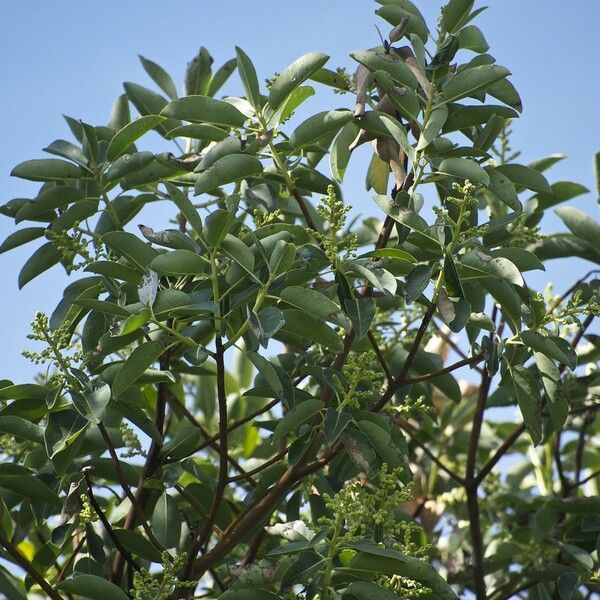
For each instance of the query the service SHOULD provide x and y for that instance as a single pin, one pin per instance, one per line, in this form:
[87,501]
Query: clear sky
[69,57]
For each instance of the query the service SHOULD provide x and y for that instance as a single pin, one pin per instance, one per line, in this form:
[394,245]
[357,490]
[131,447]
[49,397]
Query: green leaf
[294,75]
[198,73]
[46,201]
[208,133]
[507,299]
[360,311]
[20,237]
[561,192]
[91,403]
[339,157]
[135,321]
[128,163]
[21,428]
[221,76]
[202,109]
[30,487]
[186,207]
[166,521]
[318,126]
[159,76]
[463,168]
[67,150]
[125,137]
[93,587]
[119,114]
[477,264]
[582,225]
[455,14]
[396,12]
[505,91]
[381,441]
[433,126]
[133,368]
[503,188]
[526,389]
[239,252]
[217,225]
[390,63]
[558,405]
[266,323]
[298,415]
[269,373]
[314,303]
[148,102]
[523,259]
[463,117]
[468,81]
[416,282]
[227,169]
[525,177]
[392,562]
[47,169]
[138,545]
[404,99]
[41,260]
[248,76]
[335,423]
[367,590]
[178,262]
[552,346]
[131,247]
[310,328]
[471,38]
[28,391]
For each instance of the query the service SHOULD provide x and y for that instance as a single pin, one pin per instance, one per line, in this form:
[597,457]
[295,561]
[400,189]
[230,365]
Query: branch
[236,424]
[29,569]
[265,465]
[127,489]
[209,439]
[206,532]
[304,209]
[471,487]
[412,431]
[106,524]
[401,379]
[380,357]
[150,466]
[457,365]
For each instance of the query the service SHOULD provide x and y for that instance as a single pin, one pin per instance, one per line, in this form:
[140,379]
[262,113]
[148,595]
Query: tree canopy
[271,399]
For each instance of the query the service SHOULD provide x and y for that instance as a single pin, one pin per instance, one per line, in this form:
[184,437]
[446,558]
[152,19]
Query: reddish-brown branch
[206,532]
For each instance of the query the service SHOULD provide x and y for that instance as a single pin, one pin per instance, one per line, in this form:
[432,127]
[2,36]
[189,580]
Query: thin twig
[413,432]
[107,526]
[380,357]
[127,489]
[457,365]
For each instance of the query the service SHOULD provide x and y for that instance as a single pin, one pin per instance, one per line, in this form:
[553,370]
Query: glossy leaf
[294,75]
[133,368]
[202,109]
[125,137]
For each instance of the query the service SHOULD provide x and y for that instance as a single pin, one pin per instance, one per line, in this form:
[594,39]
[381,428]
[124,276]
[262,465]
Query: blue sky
[67,57]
